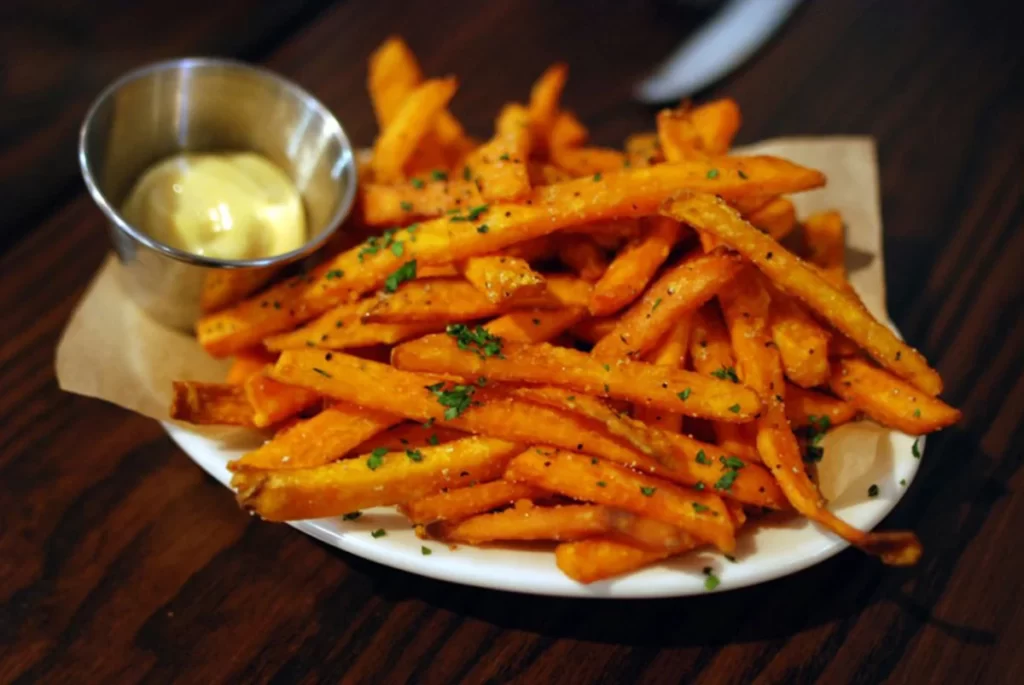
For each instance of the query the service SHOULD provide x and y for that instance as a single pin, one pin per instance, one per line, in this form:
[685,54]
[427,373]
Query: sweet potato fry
[372,480]
[211,404]
[889,400]
[544,103]
[393,74]
[670,353]
[802,342]
[681,289]
[272,401]
[401,203]
[634,267]
[643,150]
[581,254]
[500,279]
[408,435]
[807,407]
[329,435]
[717,123]
[343,328]
[247,363]
[682,459]
[499,167]
[700,514]
[461,503]
[789,273]
[482,411]
[630,193]
[746,307]
[542,174]
[678,136]
[414,119]
[444,300]
[535,325]
[566,522]
[668,389]
[600,558]
[777,218]
[567,132]
[825,238]
[224,287]
[650,533]
[587,161]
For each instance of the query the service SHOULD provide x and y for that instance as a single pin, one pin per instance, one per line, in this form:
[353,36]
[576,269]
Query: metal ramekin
[208,105]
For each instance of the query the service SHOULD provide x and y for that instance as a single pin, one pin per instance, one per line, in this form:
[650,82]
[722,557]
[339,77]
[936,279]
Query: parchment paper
[110,349]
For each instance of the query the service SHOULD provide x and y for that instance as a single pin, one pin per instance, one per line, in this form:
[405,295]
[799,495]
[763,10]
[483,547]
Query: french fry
[414,119]
[408,435]
[717,123]
[670,353]
[499,167]
[316,441]
[746,307]
[535,325]
[643,150]
[272,401]
[541,174]
[587,161]
[400,203]
[444,300]
[650,533]
[601,558]
[461,503]
[889,400]
[777,218]
[544,103]
[668,389]
[343,328]
[789,273]
[630,193]
[224,287]
[211,404]
[682,459]
[700,514]
[634,267]
[372,480]
[678,136]
[593,328]
[582,255]
[247,363]
[825,238]
[393,74]
[504,279]
[566,522]
[567,132]
[802,342]
[550,418]
[681,289]
[808,407]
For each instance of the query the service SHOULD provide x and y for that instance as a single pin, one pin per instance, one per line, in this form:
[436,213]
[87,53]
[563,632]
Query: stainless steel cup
[208,105]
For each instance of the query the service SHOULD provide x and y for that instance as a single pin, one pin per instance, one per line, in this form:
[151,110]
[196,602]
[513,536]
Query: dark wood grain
[121,562]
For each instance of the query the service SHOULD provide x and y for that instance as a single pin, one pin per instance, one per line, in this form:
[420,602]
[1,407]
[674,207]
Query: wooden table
[120,560]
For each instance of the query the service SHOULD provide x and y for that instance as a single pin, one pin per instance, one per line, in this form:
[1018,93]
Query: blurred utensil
[727,40]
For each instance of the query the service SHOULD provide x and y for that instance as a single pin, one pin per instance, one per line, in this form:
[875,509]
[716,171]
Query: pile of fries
[609,350]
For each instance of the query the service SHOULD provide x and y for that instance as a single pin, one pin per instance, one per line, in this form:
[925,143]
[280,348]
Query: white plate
[868,454]
[856,455]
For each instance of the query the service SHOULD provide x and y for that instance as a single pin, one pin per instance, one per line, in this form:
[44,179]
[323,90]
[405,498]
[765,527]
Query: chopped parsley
[915,450]
[702,458]
[433,440]
[504,157]
[376,458]
[593,460]
[699,486]
[404,273]
[322,373]
[414,455]
[700,508]
[426,551]
[735,409]
[397,248]
[597,176]
[477,339]
[379,533]
[375,244]
[726,372]
[727,479]
[903,482]
[711,581]
[742,174]
[456,400]
[475,212]
[333,273]
[734,463]
[712,173]
[815,432]
[684,395]
[352,515]
[647,491]
[607,367]
[438,175]
[406,206]
[917,413]
[657,303]
[601,484]
[467,173]
[482,228]
[417,183]
[429,423]
[873,491]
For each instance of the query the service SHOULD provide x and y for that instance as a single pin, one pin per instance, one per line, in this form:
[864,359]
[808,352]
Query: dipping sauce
[227,206]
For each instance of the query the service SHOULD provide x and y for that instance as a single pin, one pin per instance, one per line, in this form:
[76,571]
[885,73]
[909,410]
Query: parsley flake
[482,228]
[702,458]
[726,372]
[426,551]
[379,533]
[873,491]
[647,491]
[376,458]
[438,175]
[414,455]
[735,409]
[352,515]
[915,450]
[406,206]
[333,273]
[477,339]
[456,400]
[404,273]
[712,173]
[601,484]
[700,508]
[416,183]
[433,440]
[322,373]
[597,176]
[685,395]
[711,581]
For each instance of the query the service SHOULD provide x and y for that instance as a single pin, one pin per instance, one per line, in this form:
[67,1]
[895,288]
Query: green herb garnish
[404,273]
[477,339]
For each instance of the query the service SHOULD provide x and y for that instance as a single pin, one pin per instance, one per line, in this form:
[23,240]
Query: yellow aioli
[228,206]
